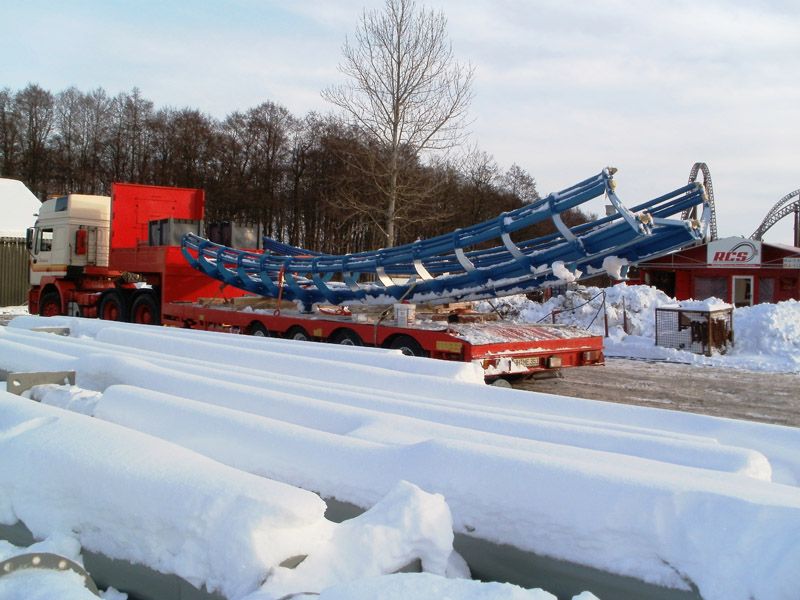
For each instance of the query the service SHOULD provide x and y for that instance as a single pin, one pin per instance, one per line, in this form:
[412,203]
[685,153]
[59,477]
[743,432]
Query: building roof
[18,207]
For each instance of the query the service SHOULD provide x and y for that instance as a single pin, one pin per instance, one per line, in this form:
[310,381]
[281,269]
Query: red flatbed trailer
[502,349]
[145,278]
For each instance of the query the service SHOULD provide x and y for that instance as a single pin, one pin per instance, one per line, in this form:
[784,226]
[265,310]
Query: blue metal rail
[442,269]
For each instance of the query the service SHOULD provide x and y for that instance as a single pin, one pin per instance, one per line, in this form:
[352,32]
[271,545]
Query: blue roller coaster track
[444,269]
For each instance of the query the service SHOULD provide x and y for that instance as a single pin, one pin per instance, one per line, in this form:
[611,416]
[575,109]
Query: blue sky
[562,87]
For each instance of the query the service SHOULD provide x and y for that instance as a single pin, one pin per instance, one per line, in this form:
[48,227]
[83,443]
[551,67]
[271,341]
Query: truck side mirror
[29,238]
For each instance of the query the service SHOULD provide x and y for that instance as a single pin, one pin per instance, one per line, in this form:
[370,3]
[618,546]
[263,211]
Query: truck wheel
[408,346]
[297,333]
[145,309]
[346,337]
[257,329]
[50,304]
[113,307]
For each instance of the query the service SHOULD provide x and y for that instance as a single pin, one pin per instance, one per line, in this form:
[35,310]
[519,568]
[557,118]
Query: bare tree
[519,182]
[10,128]
[35,107]
[405,92]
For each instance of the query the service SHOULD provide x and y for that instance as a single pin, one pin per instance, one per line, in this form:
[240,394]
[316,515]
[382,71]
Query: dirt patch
[754,396]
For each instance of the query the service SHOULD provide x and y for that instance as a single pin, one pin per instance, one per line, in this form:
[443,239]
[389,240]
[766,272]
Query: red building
[738,270]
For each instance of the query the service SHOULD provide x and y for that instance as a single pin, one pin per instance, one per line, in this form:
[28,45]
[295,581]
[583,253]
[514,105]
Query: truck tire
[346,337]
[50,304]
[145,310]
[408,346]
[113,307]
[297,333]
[257,329]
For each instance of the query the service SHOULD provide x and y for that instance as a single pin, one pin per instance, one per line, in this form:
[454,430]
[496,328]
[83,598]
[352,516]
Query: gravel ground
[755,396]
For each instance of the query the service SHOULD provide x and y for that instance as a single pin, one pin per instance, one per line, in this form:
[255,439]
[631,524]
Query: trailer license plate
[528,361]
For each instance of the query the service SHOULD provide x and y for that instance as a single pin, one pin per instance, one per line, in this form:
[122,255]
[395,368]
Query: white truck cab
[71,233]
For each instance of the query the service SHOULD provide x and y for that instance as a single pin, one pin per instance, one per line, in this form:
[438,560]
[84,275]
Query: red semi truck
[119,258]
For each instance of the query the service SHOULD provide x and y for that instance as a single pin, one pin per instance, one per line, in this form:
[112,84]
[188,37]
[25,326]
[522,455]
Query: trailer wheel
[145,309]
[346,337]
[408,346]
[257,329]
[113,307]
[50,304]
[297,333]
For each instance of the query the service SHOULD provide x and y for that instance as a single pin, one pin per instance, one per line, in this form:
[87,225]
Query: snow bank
[769,330]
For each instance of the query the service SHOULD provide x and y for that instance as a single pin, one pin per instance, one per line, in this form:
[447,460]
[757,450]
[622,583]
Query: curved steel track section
[709,187]
[443,268]
[782,208]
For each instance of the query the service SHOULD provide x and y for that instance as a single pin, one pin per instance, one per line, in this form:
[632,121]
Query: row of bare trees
[305,180]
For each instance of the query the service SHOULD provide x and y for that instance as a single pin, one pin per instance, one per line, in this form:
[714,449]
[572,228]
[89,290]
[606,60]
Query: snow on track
[662,496]
[190,515]
[130,496]
[272,349]
[359,413]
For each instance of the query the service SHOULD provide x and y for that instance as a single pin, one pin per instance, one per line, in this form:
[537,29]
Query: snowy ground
[666,497]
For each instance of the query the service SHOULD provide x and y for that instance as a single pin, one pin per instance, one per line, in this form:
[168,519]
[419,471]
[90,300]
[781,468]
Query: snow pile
[767,336]
[769,330]
[584,308]
[188,515]
[668,498]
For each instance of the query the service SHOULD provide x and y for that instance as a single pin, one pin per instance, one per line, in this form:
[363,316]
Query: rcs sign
[732,256]
[734,252]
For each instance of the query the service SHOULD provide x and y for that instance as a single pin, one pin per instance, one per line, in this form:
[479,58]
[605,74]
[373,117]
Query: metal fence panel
[698,331]
[14,280]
